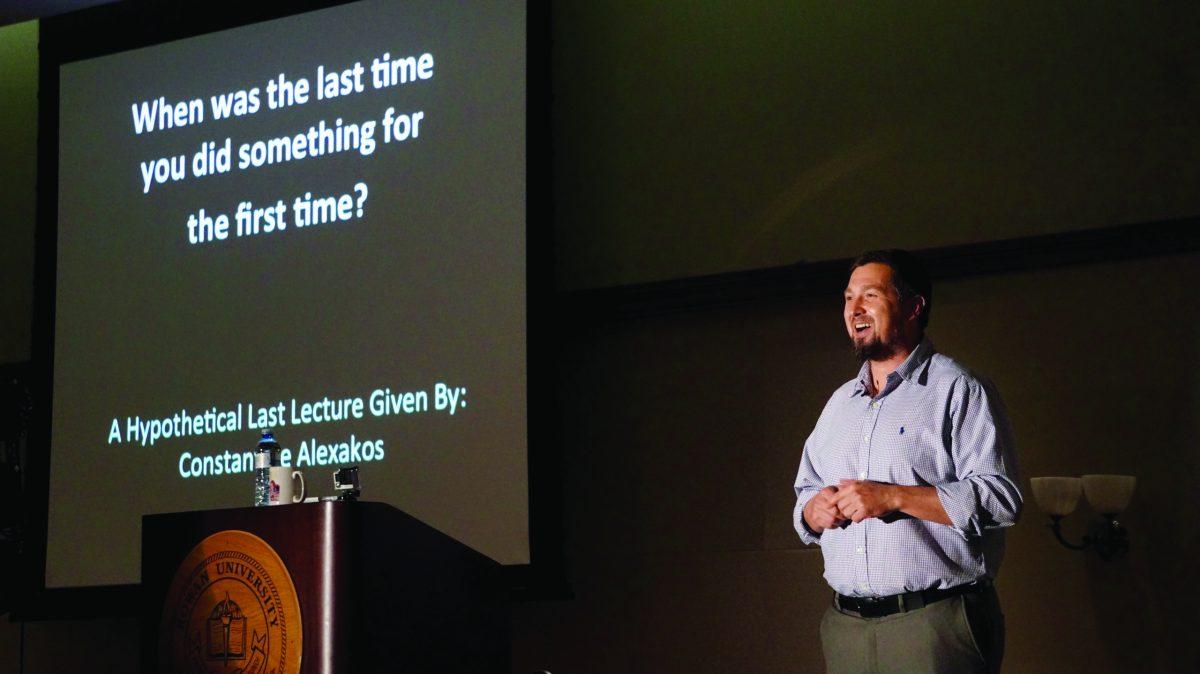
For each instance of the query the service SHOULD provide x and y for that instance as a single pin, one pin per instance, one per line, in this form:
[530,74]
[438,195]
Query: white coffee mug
[283,486]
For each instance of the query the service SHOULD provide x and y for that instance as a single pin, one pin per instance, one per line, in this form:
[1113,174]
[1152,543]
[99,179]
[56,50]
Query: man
[906,482]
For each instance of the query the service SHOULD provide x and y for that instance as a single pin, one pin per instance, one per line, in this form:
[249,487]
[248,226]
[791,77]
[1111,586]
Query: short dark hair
[908,275]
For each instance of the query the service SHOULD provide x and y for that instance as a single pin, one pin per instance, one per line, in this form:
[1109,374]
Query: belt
[878,607]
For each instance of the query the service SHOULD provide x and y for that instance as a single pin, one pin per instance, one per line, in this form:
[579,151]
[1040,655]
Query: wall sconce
[1109,496]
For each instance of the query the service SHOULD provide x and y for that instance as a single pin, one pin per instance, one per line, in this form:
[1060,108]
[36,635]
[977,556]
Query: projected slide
[314,225]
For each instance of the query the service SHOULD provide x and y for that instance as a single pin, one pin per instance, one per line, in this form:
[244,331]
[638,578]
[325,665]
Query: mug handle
[298,498]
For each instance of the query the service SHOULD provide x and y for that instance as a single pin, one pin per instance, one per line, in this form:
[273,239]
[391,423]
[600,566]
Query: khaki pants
[957,634]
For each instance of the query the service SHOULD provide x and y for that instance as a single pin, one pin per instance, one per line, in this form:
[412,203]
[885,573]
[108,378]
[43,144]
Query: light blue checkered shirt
[934,423]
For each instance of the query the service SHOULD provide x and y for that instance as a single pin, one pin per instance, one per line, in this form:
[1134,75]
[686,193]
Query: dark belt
[877,607]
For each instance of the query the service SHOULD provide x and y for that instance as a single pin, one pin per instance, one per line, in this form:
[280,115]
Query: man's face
[873,312]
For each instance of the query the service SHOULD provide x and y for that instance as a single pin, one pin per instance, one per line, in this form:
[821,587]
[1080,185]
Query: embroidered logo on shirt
[901,430]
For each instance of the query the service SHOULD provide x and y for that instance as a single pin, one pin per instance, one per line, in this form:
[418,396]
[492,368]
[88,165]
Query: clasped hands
[850,501]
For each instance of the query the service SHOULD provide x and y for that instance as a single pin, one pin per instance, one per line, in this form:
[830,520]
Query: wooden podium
[346,586]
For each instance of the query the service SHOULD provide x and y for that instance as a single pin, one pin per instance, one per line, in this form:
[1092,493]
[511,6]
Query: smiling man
[906,484]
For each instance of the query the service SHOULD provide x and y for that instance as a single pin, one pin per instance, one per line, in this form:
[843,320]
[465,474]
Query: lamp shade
[1109,494]
[1056,495]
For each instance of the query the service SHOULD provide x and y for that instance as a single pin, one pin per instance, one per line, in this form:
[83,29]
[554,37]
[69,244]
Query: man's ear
[918,308]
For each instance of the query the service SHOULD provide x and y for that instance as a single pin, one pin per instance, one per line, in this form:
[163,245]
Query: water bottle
[265,456]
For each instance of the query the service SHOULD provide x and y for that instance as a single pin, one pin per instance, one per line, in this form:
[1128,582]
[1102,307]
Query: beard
[872,349]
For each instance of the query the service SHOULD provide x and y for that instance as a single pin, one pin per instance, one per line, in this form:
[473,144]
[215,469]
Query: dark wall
[701,137]
[684,433]
[682,437]
[18,173]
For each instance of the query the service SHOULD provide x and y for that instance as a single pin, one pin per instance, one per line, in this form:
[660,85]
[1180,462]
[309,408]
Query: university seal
[231,609]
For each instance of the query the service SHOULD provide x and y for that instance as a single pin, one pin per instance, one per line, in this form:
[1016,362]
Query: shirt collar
[910,368]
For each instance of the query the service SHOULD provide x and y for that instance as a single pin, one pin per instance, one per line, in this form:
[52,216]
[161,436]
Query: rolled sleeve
[803,496]
[808,485]
[985,496]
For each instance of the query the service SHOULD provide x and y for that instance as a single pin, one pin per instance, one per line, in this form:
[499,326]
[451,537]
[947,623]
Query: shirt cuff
[806,533]
[960,503]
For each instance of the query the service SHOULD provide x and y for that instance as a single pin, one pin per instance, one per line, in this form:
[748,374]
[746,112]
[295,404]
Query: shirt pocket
[909,452]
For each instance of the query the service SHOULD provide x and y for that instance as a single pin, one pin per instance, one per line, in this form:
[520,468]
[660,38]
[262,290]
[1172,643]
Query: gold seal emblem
[231,609]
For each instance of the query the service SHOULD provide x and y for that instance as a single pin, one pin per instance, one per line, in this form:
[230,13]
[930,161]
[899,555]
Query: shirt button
[866,438]
[875,404]
[860,550]
[862,475]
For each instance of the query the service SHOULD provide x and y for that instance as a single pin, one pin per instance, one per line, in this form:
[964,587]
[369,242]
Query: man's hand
[821,513]
[858,500]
